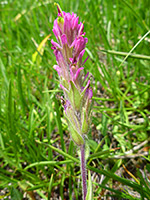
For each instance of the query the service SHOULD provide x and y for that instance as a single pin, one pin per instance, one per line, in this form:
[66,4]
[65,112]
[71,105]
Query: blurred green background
[37,158]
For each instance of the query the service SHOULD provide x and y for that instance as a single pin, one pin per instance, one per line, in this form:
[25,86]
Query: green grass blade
[60,151]
[148,32]
[59,124]
[131,55]
[50,185]
[4,74]
[89,195]
[45,163]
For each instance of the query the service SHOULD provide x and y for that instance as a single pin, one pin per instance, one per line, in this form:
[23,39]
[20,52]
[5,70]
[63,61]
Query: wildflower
[69,50]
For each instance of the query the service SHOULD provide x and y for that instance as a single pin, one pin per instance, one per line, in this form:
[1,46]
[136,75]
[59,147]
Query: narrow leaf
[89,190]
[40,48]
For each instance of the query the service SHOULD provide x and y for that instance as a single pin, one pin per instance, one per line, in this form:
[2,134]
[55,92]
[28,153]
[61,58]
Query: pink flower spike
[77,101]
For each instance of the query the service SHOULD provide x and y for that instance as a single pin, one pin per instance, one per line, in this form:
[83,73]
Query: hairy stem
[83,171]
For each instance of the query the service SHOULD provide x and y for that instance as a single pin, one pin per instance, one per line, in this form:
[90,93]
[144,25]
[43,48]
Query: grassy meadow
[38,160]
